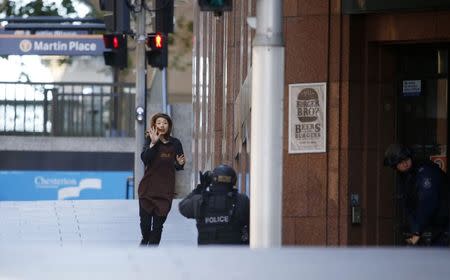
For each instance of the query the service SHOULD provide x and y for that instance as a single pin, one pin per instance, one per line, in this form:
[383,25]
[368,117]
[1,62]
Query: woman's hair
[164,116]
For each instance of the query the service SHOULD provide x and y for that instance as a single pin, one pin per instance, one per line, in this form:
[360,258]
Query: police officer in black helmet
[221,212]
[425,197]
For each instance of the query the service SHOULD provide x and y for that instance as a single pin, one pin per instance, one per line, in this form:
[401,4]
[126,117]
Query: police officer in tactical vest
[221,212]
[424,195]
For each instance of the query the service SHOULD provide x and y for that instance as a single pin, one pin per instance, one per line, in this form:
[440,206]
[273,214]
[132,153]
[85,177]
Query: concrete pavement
[85,222]
[99,240]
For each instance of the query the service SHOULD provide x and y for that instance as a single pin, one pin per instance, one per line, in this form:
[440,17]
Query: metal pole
[164,89]
[140,97]
[266,158]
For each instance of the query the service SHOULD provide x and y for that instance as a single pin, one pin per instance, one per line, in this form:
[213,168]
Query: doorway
[422,109]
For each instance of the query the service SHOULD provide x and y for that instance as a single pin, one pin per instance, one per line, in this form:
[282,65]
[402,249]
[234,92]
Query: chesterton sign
[51,45]
[19,185]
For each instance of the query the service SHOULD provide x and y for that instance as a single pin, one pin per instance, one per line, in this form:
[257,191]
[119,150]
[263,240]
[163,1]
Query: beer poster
[307,118]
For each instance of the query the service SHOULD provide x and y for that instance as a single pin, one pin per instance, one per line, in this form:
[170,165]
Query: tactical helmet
[223,175]
[395,154]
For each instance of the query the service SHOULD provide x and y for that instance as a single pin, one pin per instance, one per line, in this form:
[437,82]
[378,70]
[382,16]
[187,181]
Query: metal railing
[67,109]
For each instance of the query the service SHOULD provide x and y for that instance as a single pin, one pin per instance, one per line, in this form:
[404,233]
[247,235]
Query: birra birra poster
[307,118]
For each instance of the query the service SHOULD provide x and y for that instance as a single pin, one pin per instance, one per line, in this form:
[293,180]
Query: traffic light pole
[164,90]
[266,159]
[140,97]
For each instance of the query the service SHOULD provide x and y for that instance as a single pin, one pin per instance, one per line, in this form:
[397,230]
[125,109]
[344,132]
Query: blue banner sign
[63,185]
[51,45]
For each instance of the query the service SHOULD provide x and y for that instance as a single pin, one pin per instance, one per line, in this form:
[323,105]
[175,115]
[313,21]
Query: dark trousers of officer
[151,227]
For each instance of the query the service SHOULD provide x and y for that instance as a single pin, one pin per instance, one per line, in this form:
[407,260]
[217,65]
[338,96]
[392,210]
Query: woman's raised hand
[154,135]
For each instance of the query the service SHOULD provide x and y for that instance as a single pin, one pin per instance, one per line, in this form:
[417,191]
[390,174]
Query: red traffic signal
[116,53]
[157,56]
[114,41]
[156,41]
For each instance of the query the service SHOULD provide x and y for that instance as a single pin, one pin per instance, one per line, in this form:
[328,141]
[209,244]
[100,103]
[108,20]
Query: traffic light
[216,6]
[164,16]
[117,15]
[117,52]
[157,56]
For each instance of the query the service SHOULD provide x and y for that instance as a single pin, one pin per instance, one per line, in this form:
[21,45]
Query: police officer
[425,197]
[221,212]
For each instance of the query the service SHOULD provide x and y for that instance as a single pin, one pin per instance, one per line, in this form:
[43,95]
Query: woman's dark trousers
[151,227]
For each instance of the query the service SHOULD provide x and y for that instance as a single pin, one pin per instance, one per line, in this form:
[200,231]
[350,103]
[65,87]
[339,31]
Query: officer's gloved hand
[205,181]
[206,178]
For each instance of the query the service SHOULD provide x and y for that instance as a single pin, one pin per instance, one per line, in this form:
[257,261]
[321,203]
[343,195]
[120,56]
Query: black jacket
[148,153]
[426,197]
[191,207]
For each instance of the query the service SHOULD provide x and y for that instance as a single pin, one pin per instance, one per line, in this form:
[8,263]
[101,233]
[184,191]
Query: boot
[145,241]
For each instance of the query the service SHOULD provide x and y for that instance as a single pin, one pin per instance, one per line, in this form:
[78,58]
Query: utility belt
[218,236]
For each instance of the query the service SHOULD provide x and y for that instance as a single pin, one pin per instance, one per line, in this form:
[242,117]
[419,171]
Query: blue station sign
[17,185]
[72,45]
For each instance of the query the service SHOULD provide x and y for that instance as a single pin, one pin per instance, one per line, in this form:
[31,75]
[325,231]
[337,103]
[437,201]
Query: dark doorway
[422,108]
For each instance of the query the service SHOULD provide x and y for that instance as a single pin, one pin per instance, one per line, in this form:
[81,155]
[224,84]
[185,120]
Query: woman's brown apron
[157,187]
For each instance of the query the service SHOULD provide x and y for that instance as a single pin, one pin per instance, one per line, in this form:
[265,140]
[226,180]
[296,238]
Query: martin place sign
[51,45]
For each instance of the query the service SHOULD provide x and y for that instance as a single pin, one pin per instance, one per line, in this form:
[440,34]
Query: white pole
[140,97]
[164,90]
[266,160]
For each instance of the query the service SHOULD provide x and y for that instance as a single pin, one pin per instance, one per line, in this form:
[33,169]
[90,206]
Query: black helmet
[223,175]
[395,154]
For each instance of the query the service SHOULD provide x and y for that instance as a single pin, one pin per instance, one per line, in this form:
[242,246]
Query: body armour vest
[217,223]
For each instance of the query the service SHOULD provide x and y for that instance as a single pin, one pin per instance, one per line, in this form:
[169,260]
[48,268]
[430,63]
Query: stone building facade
[367,53]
